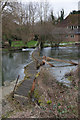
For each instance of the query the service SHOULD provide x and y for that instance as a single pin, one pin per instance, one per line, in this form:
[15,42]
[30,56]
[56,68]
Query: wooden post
[32,89]
[33,86]
[15,86]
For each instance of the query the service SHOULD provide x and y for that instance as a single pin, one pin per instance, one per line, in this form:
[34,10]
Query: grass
[32,43]
[29,44]
[61,44]
[17,44]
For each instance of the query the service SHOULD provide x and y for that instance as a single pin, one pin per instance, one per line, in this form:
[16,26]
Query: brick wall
[70,38]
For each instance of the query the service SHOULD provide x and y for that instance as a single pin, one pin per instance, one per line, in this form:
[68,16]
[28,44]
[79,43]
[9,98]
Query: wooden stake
[33,86]
[32,89]
[15,85]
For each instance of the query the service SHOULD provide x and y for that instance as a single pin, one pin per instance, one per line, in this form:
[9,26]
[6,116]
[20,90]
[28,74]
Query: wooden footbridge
[22,90]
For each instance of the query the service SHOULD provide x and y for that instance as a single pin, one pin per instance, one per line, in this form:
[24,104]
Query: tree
[40,12]
[3,4]
[52,17]
[43,31]
[58,35]
[10,21]
[62,15]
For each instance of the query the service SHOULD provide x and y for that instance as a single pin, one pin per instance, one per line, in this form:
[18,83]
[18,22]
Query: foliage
[36,94]
[75,12]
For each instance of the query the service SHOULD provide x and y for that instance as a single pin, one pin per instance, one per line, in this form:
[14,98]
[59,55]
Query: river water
[13,62]
[61,68]
[13,65]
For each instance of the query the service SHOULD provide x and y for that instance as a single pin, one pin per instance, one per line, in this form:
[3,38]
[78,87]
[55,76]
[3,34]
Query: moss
[36,94]
[27,75]
[37,74]
[39,101]
[49,102]
[76,87]
[70,78]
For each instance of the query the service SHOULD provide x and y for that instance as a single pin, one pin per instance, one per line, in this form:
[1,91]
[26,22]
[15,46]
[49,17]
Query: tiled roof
[70,20]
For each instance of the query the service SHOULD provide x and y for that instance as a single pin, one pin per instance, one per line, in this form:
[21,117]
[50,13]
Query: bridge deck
[24,88]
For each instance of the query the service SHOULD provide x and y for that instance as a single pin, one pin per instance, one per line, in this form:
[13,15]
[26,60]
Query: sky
[57,5]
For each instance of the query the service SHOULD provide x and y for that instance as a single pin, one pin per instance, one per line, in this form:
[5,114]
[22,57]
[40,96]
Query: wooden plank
[59,60]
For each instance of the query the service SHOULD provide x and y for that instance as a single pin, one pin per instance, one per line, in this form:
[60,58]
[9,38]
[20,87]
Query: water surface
[64,53]
[13,64]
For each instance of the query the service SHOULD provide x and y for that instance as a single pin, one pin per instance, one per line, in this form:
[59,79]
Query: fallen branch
[48,63]
[59,60]
[46,58]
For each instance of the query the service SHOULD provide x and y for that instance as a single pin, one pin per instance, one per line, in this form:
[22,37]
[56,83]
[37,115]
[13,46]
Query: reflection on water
[65,53]
[62,53]
[13,64]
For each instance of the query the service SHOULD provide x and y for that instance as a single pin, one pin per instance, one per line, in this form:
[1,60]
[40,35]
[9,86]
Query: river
[13,65]
[13,62]
[61,68]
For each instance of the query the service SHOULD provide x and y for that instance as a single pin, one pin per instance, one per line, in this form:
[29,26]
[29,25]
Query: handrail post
[15,86]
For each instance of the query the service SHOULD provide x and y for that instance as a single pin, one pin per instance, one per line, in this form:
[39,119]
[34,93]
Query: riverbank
[51,99]
[19,45]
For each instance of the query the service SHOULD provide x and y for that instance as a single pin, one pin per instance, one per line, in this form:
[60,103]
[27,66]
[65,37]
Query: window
[66,36]
[72,27]
[72,36]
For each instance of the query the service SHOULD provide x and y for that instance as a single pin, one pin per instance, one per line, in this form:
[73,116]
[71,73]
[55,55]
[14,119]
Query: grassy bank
[63,44]
[56,99]
[19,44]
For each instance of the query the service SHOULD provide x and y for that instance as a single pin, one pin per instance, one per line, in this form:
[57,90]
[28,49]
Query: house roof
[70,20]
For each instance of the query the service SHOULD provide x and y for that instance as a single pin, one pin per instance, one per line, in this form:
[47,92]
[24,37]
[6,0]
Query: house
[72,24]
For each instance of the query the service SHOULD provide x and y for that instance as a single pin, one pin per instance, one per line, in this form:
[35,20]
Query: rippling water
[13,64]
[64,53]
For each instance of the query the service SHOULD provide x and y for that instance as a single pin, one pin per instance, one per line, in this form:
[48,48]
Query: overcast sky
[57,5]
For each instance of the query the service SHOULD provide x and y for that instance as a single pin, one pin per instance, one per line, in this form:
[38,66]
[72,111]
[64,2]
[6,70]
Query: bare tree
[3,4]
[10,21]
[40,12]
[44,31]
[58,35]
[46,8]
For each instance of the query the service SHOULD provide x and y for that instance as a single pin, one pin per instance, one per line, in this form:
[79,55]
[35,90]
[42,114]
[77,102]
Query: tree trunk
[41,45]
